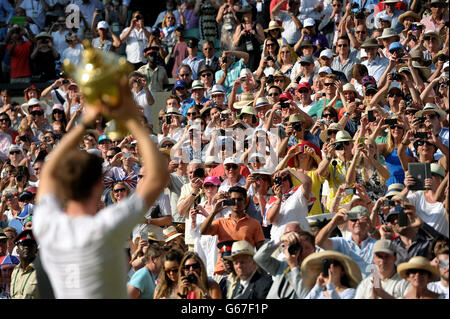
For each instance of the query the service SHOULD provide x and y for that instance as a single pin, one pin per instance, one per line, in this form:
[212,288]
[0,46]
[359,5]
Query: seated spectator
[384,282]
[193,282]
[253,283]
[419,272]
[167,286]
[339,282]
[441,286]
[434,21]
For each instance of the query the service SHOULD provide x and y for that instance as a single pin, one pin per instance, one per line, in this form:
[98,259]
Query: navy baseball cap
[180,84]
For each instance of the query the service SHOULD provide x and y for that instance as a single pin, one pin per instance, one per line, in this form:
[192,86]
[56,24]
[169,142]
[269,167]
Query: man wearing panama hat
[253,283]
[375,64]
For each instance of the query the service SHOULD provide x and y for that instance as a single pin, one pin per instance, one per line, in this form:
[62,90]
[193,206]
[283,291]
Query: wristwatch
[346,114]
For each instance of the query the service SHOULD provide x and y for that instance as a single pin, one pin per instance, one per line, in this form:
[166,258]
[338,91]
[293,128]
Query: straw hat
[312,267]
[343,136]
[170,233]
[332,127]
[394,189]
[241,247]
[409,14]
[418,262]
[431,108]
[387,33]
[246,99]
[248,109]
[273,25]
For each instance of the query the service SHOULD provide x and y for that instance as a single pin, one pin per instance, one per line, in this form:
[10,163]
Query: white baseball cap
[326,53]
[102,25]
[309,22]
[231,160]
[325,69]
[363,54]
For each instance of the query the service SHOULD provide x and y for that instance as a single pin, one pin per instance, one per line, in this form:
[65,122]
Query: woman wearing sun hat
[419,272]
[339,283]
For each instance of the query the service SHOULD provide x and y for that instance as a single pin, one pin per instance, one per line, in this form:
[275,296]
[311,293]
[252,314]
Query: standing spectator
[207,11]
[143,283]
[180,51]
[155,75]
[393,13]
[116,16]
[346,59]
[290,20]
[136,37]
[254,284]
[35,9]
[171,6]
[24,281]
[193,59]
[384,282]
[375,64]
[249,36]
[58,32]
[7,13]
[227,17]
[19,52]
[230,69]
[44,57]
[102,42]
[167,30]
[74,50]
[437,17]
[210,59]
[332,21]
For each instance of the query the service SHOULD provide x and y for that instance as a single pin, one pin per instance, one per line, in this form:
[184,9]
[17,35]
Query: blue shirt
[363,256]
[233,73]
[194,64]
[6,11]
[191,102]
[377,67]
[145,281]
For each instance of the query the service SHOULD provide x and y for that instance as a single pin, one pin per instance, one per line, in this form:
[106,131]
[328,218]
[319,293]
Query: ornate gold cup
[98,76]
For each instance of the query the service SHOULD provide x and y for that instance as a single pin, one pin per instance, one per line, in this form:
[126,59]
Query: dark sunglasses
[423,142]
[270,44]
[278,80]
[173,270]
[206,74]
[207,49]
[305,64]
[409,112]
[327,115]
[342,45]
[233,166]
[395,94]
[184,75]
[193,266]
[362,32]
[119,190]
[4,120]
[37,113]
[15,152]
[428,38]
[303,91]
[430,116]
[58,111]
[396,126]
[419,271]
[191,113]
[340,145]
[110,156]
[328,84]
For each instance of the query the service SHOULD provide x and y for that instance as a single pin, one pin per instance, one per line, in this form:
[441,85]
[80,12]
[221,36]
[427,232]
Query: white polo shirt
[136,42]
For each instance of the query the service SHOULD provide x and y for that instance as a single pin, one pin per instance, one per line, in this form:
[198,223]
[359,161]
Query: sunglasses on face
[206,74]
[395,94]
[193,266]
[191,113]
[303,91]
[342,45]
[58,112]
[4,120]
[184,75]
[327,115]
[423,142]
[328,83]
[233,166]
[361,32]
[396,127]
[270,44]
[172,270]
[430,116]
[117,190]
[410,112]
[278,80]
[417,271]
[340,145]
[14,152]
[110,156]
[428,38]
[37,113]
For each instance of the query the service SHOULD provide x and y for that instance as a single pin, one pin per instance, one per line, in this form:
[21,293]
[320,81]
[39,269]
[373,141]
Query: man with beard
[23,278]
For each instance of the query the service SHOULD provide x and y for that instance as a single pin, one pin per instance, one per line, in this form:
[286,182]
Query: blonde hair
[364,174]
[163,24]
[294,55]
[111,192]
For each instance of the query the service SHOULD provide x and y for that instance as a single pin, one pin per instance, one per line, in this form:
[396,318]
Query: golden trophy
[98,76]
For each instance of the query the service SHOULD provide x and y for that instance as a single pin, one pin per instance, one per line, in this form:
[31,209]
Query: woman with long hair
[286,59]
[366,169]
[167,285]
[193,282]
[168,26]
[228,18]
[119,191]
